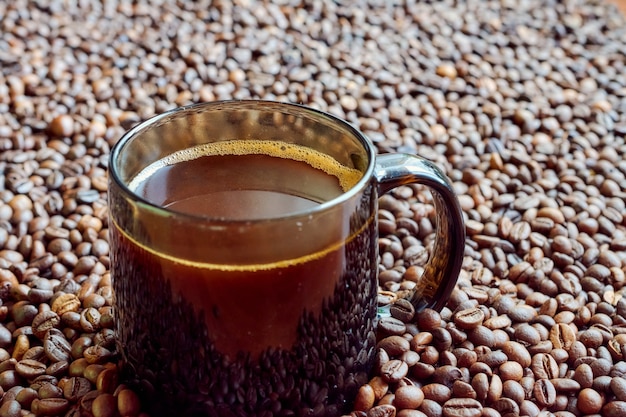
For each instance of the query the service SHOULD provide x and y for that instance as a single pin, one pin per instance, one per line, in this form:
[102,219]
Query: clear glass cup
[244,257]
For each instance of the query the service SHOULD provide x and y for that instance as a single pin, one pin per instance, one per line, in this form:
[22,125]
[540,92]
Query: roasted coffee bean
[422,370]
[482,336]
[75,388]
[463,389]
[544,366]
[58,369]
[513,390]
[50,406]
[480,383]
[506,407]
[589,401]
[493,359]
[47,389]
[104,405]
[391,326]
[394,345]
[56,346]
[462,407]
[394,370]
[128,403]
[65,303]
[25,397]
[516,352]
[108,381]
[36,353]
[565,385]
[562,336]
[544,392]
[408,397]
[97,354]
[428,320]
[10,408]
[511,370]
[437,392]
[92,371]
[469,318]
[380,387]
[402,310]
[618,388]
[30,369]
[43,322]
[614,409]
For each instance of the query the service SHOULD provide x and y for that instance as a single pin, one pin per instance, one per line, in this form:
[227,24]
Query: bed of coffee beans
[523,104]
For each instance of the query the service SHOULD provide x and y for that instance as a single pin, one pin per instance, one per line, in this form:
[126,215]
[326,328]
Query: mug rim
[135,131]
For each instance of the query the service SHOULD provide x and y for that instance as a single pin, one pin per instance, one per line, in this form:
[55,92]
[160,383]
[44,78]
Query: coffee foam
[347,177]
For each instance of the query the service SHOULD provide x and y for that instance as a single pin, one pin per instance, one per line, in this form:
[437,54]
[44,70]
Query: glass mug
[244,257]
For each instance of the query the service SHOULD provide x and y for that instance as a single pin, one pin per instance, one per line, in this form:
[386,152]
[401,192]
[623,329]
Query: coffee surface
[243,180]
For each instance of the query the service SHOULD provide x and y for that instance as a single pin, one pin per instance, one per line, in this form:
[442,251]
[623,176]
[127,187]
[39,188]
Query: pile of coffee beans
[522,104]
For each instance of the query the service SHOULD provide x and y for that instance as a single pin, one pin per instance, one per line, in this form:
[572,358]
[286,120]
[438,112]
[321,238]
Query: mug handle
[444,264]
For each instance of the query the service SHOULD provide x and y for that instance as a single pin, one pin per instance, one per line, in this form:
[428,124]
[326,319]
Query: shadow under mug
[244,257]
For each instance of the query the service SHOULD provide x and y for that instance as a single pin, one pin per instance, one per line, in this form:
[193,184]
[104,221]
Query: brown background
[620,3]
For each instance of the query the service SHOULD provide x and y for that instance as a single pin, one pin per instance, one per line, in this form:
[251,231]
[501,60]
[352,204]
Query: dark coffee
[279,334]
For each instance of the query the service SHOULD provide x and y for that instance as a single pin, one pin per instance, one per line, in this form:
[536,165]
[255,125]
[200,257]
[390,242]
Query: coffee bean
[109,379]
[516,352]
[97,354]
[544,366]
[480,383]
[462,407]
[26,396]
[562,336]
[511,370]
[428,320]
[50,406]
[422,370]
[43,322]
[565,385]
[104,405]
[589,401]
[614,409]
[58,369]
[447,375]
[391,326]
[92,371]
[469,318]
[583,374]
[437,392]
[380,387]
[506,407]
[431,408]
[494,392]
[544,392]
[30,369]
[56,346]
[492,359]
[394,345]
[498,322]
[402,310]
[408,397]
[65,303]
[394,370]
[128,403]
[36,353]
[75,388]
